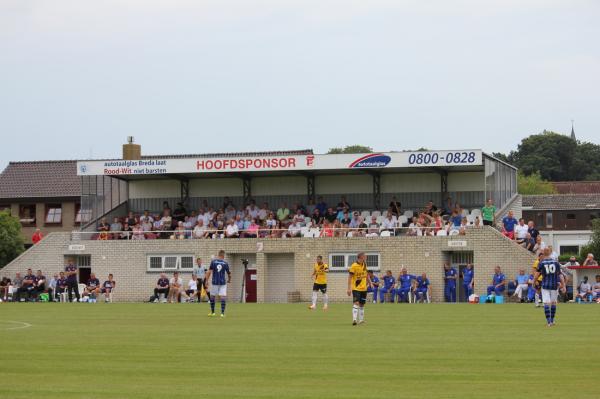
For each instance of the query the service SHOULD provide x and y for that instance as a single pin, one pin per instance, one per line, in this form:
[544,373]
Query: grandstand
[279,268]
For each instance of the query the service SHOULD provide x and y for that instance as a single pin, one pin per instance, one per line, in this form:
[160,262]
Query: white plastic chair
[470,218]
[349,234]
[379,219]
[409,214]
[402,220]
[454,232]
[304,231]
[365,214]
[376,213]
[442,232]
[465,212]
[476,212]
[385,233]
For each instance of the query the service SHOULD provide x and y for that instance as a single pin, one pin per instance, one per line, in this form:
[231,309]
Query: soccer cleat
[222,314]
[325,307]
[311,307]
[361,322]
[211,315]
[354,322]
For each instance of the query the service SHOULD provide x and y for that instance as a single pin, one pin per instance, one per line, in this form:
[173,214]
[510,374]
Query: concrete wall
[68,219]
[282,264]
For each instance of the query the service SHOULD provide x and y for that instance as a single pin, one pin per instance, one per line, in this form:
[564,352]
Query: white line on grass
[22,325]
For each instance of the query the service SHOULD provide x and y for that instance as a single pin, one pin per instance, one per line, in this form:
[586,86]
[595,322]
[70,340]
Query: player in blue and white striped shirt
[552,280]
[217,270]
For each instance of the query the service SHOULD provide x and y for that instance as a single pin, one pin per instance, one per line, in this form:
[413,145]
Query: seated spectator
[422,289]
[175,288]
[310,207]
[92,288]
[414,228]
[52,287]
[146,218]
[107,287]
[572,262]
[191,291]
[477,222]
[252,210]
[41,285]
[200,230]
[462,230]
[283,214]
[448,206]
[498,282]
[361,228]
[327,230]
[103,229]
[263,212]
[166,220]
[532,230]
[404,285]
[389,223]
[162,287]
[227,202]
[295,228]
[345,219]
[521,231]
[317,218]
[230,212]
[232,230]
[338,229]
[239,222]
[138,233]
[61,285]
[373,230]
[553,253]
[343,204]
[539,246]
[131,219]
[528,242]
[355,221]
[115,229]
[126,231]
[331,216]
[430,208]
[590,261]
[389,283]
[27,287]
[596,288]
[17,283]
[271,222]
[455,219]
[179,233]
[37,236]
[395,206]
[4,284]
[321,206]
[522,286]
[584,291]
[374,287]
[252,230]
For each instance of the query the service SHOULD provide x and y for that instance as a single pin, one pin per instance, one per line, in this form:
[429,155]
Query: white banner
[408,159]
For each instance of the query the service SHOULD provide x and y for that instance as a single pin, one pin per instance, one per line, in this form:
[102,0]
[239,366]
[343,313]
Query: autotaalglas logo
[371,161]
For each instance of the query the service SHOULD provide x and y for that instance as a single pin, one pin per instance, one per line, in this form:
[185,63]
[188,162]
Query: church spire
[573,131]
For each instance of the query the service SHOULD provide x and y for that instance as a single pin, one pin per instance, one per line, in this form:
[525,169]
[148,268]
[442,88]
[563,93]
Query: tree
[534,184]
[594,245]
[351,149]
[11,240]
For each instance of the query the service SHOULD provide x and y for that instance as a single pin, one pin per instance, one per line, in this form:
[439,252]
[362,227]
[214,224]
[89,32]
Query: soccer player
[218,268]
[388,287]
[423,290]
[450,276]
[374,288]
[468,275]
[319,276]
[552,280]
[200,272]
[404,284]
[358,281]
[71,273]
[498,282]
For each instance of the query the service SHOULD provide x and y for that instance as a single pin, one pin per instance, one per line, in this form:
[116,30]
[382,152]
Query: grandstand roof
[40,179]
[561,202]
[232,154]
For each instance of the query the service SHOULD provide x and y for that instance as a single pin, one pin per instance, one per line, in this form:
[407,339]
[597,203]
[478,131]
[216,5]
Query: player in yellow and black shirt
[537,283]
[319,276]
[358,282]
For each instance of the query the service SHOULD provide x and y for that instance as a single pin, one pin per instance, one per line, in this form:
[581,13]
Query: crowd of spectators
[320,219]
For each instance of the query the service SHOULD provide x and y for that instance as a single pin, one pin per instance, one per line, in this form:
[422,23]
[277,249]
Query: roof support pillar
[376,190]
[247,188]
[185,191]
[310,187]
[443,185]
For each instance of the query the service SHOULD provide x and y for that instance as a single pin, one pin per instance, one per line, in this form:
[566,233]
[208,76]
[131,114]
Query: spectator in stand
[553,253]
[179,212]
[343,205]
[388,287]
[532,230]
[374,288]
[92,288]
[103,229]
[522,286]
[263,212]
[331,216]
[584,291]
[295,228]
[175,287]
[115,228]
[131,220]
[389,223]
[488,212]
[327,230]
[508,225]
[596,288]
[227,202]
[361,229]
[539,246]
[231,213]
[37,236]
[146,218]
[277,231]
[395,206]
[529,242]
[414,229]
[252,210]
[127,231]
[498,282]
[338,229]
[430,208]
[477,222]
[138,232]
[310,208]
[464,223]
[107,287]
[72,287]
[468,275]
[317,218]
[271,222]
[200,229]
[166,220]
[373,230]
[232,230]
[448,206]
[252,231]
[590,261]
[521,231]
[572,262]
[283,214]
[162,287]
[345,220]
[239,222]
[355,221]
[456,219]
[321,205]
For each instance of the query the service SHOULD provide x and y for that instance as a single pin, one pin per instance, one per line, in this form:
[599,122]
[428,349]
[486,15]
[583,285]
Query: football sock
[354,312]
[223,306]
[212,305]
[325,299]
[361,314]
[314,298]
[547,312]
[552,312]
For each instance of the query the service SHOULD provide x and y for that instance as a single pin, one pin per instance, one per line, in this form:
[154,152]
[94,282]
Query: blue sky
[78,77]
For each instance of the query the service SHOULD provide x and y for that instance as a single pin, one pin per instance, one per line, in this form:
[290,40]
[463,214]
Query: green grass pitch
[286,351]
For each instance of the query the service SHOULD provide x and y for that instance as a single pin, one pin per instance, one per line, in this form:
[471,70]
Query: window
[4,207]
[342,261]
[27,215]
[82,215]
[53,214]
[549,219]
[569,249]
[571,216]
[170,262]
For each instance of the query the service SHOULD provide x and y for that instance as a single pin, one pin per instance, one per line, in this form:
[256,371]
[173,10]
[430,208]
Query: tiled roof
[40,179]
[577,187]
[562,201]
[232,154]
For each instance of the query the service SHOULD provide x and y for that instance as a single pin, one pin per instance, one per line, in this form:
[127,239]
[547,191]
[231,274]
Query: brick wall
[281,264]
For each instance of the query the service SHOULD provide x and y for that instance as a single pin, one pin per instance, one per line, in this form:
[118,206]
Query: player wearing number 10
[218,268]
[552,280]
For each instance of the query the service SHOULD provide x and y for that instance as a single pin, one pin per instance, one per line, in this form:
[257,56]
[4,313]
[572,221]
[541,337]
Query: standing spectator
[508,225]
[115,228]
[343,205]
[590,261]
[283,214]
[521,231]
[522,285]
[37,236]
[488,213]
[395,206]
[498,282]
[179,212]
[450,276]
[72,286]
[321,206]
[468,275]
[103,229]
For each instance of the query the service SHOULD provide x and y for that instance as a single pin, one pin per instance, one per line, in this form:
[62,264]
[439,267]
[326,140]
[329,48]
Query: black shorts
[359,296]
[201,282]
[320,287]
[488,223]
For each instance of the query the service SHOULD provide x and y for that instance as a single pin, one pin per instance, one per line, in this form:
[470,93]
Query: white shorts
[549,296]
[220,290]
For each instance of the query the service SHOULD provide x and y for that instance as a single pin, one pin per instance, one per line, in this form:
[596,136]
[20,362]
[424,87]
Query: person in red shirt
[37,236]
